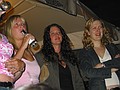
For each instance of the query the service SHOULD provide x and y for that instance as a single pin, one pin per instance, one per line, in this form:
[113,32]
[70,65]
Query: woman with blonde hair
[99,58]
[14,27]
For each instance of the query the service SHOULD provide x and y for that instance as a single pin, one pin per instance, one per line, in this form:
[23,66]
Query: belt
[6,84]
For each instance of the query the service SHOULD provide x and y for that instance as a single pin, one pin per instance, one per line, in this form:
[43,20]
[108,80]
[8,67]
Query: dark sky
[108,10]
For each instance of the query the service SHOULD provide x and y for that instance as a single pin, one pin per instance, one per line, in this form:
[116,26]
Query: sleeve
[86,65]
[114,62]
[39,58]
[115,48]
[79,84]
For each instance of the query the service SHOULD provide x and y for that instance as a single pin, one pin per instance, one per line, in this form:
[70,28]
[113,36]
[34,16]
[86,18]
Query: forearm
[98,72]
[18,74]
[19,53]
[92,72]
[114,63]
[101,65]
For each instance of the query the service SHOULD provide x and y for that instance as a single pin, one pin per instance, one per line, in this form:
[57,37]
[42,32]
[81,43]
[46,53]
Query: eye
[19,24]
[16,24]
[100,27]
[94,28]
[59,33]
[51,33]
[55,33]
[22,24]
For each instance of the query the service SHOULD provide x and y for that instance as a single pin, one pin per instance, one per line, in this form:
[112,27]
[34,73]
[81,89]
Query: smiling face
[96,31]
[55,35]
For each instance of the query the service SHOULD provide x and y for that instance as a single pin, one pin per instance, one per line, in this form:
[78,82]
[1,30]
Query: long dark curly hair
[66,50]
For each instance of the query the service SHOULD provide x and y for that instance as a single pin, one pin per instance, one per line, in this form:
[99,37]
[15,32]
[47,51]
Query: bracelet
[22,70]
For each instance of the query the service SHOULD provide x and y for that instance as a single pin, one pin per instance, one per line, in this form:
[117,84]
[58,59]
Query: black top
[65,78]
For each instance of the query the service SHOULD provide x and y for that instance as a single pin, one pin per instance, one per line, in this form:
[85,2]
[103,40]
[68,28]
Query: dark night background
[108,10]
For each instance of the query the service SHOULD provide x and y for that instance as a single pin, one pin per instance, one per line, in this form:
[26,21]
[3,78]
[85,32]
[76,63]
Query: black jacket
[53,73]
[88,59]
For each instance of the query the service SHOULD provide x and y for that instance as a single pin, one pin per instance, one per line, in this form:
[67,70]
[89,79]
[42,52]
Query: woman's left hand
[14,65]
[117,56]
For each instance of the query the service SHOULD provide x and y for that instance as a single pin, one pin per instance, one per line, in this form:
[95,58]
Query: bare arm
[20,53]
[16,65]
[22,48]
[101,65]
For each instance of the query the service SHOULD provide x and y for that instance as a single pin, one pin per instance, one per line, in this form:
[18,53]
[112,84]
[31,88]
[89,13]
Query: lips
[97,34]
[57,39]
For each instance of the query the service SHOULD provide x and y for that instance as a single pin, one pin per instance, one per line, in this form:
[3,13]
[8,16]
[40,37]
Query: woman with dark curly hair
[99,59]
[57,61]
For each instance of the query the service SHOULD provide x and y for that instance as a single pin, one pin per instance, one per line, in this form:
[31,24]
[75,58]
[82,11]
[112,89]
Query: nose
[98,29]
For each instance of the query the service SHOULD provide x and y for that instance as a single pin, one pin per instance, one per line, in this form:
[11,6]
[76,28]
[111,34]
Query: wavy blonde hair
[8,26]
[86,37]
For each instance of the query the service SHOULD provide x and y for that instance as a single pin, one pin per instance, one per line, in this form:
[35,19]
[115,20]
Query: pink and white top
[6,51]
[30,75]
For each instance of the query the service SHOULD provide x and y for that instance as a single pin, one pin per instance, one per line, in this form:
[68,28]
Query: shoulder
[112,46]
[83,51]
[4,42]
[113,49]
[4,39]
[38,54]
[40,58]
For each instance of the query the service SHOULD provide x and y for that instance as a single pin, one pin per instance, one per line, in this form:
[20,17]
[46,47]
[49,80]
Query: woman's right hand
[26,40]
[99,65]
[15,65]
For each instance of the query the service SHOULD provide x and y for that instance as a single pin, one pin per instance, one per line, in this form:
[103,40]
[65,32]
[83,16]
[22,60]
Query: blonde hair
[8,26]
[86,37]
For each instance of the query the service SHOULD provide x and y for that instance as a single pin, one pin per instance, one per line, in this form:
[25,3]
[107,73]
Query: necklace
[62,63]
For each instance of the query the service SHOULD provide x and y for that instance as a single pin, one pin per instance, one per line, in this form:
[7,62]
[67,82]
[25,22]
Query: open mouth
[23,32]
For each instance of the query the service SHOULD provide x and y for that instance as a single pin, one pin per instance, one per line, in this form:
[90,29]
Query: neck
[57,48]
[18,43]
[98,44]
